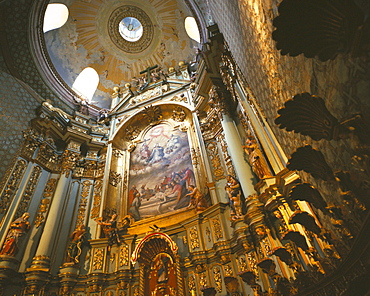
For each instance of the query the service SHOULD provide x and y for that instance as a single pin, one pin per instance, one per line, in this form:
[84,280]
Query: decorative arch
[160,272]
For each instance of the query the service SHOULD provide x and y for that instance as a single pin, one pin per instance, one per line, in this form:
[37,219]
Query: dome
[119,39]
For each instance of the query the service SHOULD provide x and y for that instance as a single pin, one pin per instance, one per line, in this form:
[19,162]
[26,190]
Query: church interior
[184,147]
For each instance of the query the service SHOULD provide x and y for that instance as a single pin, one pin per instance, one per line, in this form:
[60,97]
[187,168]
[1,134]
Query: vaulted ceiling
[90,38]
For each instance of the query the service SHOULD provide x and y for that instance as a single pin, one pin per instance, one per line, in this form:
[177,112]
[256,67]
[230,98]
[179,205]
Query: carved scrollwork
[153,114]
[124,255]
[321,28]
[114,178]
[45,202]
[217,278]
[213,153]
[194,238]
[308,115]
[308,193]
[311,161]
[178,114]
[217,228]
[98,186]
[69,161]
[12,184]
[28,193]
[98,259]
[131,133]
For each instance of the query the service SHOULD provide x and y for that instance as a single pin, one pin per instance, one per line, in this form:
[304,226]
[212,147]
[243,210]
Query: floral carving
[12,185]
[194,239]
[178,114]
[114,178]
[153,114]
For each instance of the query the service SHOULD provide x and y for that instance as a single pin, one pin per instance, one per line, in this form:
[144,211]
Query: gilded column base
[68,274]
[8,270]
[37,275]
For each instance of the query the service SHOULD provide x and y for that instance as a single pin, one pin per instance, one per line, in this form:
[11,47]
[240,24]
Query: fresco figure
[18,228]
[157,154]
[188,177]
[134,208]
[161,170]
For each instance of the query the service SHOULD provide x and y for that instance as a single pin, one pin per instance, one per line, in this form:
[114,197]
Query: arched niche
[159,264]
[157,145]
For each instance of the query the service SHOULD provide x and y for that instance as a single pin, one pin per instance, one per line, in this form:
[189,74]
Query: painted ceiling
[86,40]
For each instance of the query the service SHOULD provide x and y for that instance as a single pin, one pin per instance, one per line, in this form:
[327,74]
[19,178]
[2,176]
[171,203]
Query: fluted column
[51,224]
[38,273]
[220,100]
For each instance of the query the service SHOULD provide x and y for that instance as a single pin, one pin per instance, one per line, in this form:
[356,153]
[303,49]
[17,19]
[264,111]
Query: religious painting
[161,172]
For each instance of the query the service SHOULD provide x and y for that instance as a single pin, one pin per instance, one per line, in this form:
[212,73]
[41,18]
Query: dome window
[130,29]
[56,16]
[191,28]
[86,83]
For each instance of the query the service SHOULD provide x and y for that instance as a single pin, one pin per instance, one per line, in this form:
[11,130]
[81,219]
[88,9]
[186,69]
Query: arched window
[191,28]
[56,15]
[86,83]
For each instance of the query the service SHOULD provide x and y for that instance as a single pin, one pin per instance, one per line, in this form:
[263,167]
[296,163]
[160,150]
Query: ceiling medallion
[135,45]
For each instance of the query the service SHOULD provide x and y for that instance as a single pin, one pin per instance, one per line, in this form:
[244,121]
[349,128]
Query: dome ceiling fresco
[91,38]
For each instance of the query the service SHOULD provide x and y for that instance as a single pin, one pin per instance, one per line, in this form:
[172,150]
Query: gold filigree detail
[114,178]
[191,284]
[12,185]
[98,259]
[123,256]
[45,202]
[213,153]
[98,187]
[242,264]
[218,279]
[217,228]
[131,133]
[153,114]
[203,280]
[208,233]
[69,160]
[227,158]
[194,157]
[178,114]
[136,291]
[83,203]
[194,239]
[228,270]
[28,193]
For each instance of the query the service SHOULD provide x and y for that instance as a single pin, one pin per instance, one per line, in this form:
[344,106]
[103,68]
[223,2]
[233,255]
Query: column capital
[220,99]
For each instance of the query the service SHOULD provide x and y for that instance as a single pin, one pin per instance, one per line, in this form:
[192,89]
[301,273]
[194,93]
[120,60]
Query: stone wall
[17,107]
[343,82]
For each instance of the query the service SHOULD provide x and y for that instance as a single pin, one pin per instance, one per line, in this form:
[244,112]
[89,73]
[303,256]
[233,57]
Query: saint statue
[76,240]
[256,158]
[110,229]
[18,228]
[236,197]
[197,199]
